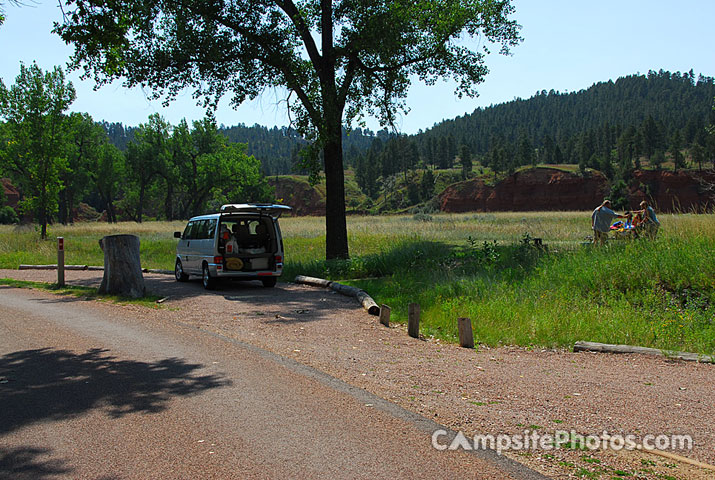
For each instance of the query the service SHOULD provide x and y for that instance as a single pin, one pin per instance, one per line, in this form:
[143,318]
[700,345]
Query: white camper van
[243,241]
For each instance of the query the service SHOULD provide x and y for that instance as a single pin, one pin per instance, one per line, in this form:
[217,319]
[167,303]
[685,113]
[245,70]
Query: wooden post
[61,261]
[385,315]
[413,320]
[466,338]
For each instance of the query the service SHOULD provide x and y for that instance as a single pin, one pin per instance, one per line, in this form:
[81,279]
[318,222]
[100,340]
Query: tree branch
[304,31]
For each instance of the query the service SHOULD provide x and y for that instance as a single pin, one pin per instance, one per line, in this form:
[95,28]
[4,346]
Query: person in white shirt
[601,219]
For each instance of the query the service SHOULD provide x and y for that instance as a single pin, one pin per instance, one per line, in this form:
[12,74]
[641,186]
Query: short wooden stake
[413,320]
[385,315]
[61,261]
[466,338]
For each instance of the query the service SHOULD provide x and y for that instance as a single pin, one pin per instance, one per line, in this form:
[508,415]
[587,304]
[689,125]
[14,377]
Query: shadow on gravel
[49,385]
[31,463]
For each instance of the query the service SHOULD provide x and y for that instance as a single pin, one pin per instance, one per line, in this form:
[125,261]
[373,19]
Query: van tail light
[218,260]
[229,248]
[279,259]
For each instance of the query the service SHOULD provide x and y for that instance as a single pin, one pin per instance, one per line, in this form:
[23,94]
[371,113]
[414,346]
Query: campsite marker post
[61,261]
[413,320]
[466,337]
[385,315]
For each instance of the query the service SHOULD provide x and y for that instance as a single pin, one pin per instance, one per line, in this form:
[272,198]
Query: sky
[568,45]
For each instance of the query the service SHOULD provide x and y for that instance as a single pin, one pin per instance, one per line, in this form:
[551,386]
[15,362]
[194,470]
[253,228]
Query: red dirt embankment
[299,194]
[544,189]
[682,191]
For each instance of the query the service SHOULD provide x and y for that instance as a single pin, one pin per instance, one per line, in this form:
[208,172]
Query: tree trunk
[168,206]
[140,207]
[43,223]
[62,207]
[122,266]
[336,230]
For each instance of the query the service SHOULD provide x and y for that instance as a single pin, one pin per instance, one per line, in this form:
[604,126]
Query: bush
[8,216]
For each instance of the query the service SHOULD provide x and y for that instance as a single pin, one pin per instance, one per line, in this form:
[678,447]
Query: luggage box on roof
[271,209]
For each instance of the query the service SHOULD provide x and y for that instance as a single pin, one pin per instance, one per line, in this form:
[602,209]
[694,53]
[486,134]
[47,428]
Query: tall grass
[652,293]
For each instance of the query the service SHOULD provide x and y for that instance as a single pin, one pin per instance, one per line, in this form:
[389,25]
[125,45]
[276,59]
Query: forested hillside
[639,116]
[675,101]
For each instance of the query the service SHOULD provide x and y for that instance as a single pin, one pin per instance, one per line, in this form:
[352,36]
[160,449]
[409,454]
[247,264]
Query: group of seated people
[241,238]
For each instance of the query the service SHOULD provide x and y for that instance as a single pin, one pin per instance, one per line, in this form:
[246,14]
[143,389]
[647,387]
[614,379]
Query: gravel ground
[488,391]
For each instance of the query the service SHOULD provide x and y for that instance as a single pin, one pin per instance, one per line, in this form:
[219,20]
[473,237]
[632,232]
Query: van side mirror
[177,234]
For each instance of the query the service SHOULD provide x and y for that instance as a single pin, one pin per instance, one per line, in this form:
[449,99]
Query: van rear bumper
[219,271]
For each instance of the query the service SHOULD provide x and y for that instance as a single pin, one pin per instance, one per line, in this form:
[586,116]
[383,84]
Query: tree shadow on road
[30,463]
[49,385]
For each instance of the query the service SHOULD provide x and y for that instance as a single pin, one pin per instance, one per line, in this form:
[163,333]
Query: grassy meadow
[480,265]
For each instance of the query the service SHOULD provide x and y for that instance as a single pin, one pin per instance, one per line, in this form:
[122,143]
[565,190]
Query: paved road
[88,395]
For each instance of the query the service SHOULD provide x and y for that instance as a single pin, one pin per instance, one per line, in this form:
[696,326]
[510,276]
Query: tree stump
[122,266]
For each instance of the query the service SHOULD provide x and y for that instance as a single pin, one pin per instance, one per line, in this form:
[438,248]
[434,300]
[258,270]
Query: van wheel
[208,281]
[179,272]
[269,282]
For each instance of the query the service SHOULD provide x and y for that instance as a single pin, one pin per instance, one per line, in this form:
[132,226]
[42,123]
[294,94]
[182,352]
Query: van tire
[179,272]
[207,280]
[269,282]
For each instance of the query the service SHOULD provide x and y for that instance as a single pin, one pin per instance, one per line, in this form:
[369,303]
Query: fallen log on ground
[52,267]
[88,267]
[680,458]
[157,270]
[316,282]
[365,300]
[609,348]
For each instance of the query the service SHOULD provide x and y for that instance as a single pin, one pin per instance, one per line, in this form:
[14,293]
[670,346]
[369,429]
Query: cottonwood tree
[36,125]
[82,145]
[337,60]
[146,157]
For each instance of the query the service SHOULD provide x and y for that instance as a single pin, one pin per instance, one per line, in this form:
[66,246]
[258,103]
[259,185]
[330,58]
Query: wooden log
[316,282]
[368,303]
[52,267]
[466,337]
[158,270]
[365,300]
[413,320]
[680,458]
[385,315]
[38,267]
[609,348]
[122,266]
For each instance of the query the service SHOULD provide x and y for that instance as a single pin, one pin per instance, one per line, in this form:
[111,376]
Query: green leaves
[34,110]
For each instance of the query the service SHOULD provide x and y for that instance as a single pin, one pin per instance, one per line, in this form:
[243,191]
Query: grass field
[659,294]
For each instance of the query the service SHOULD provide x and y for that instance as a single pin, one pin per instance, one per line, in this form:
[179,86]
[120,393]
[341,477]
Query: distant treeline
[648,114]
[277,148]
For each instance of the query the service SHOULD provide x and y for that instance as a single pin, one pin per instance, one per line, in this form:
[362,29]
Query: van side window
[211,232]
[201,229]
[188,230]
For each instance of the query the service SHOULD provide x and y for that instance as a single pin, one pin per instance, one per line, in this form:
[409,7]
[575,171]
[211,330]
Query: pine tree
[465,158]
[675,153]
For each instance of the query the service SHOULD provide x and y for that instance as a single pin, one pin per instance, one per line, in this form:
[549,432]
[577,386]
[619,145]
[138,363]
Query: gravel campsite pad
[494,391]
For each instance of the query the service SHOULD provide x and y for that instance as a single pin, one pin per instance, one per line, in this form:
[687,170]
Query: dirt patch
[490,391]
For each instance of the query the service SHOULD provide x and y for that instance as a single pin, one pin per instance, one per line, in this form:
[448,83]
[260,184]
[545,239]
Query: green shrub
[8,216]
